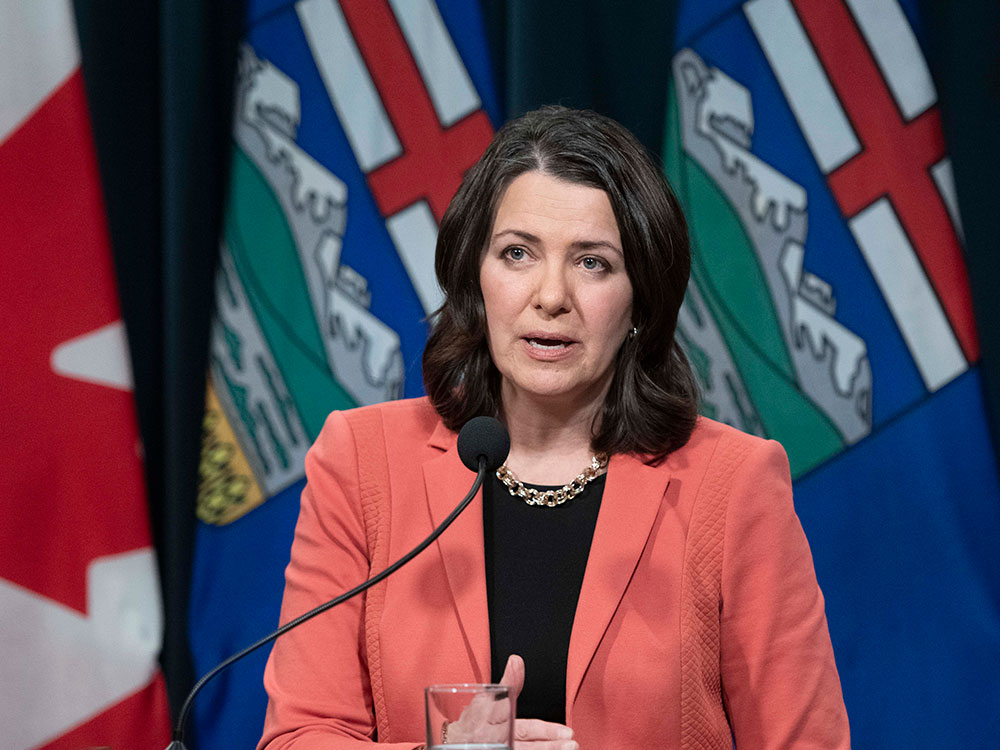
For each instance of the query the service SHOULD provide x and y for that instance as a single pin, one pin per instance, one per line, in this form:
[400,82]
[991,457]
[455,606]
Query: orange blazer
[699,618]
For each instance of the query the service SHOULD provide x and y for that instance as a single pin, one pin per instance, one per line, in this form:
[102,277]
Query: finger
[513,675]
[484,714]
[501,712]
[478,711]
[535,730]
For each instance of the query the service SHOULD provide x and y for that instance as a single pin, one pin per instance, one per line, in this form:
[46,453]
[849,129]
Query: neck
[550,443]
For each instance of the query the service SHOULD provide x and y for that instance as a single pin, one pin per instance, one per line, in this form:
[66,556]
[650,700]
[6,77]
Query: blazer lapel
[632,497]
[461,546]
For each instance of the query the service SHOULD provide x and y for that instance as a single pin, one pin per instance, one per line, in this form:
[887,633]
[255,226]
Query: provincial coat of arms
[321,301]
[759,329]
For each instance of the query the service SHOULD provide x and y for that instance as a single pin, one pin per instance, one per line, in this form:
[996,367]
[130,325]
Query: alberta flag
[354,123]
[829,309]
[80,614]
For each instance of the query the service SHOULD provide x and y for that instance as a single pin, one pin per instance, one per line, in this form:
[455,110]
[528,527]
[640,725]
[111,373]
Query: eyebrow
[580,244]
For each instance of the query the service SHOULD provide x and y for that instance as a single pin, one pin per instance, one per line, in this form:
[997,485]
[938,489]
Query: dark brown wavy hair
[651,405]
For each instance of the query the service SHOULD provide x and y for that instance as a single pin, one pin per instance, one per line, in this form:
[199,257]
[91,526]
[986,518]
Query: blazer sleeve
[779,679]
[317,674]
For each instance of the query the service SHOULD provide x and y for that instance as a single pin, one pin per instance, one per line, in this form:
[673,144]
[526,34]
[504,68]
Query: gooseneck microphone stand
[483,444]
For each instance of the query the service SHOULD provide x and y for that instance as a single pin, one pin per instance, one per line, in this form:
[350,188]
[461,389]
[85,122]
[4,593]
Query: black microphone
[483,438]
[483,445]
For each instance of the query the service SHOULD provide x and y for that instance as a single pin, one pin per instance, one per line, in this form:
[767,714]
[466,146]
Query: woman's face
[558,300]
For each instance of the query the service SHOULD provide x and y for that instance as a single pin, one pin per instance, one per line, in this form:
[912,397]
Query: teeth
[547,345]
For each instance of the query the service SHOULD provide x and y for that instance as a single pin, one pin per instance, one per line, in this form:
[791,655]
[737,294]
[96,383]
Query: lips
[546,345]
[545,340]
[543,344]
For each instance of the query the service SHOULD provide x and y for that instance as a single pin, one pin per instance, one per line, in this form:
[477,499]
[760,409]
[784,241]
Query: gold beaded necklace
[552,498]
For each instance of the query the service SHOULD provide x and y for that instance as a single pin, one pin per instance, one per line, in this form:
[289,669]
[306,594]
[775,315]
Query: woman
[670,602]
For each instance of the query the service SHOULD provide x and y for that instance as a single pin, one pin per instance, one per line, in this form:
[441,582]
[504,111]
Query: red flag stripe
[895,162]
[434,158]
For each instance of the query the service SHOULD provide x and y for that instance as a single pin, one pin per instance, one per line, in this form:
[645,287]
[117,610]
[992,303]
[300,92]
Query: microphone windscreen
[486,437]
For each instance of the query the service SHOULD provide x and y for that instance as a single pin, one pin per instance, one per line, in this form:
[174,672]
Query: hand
[534,734]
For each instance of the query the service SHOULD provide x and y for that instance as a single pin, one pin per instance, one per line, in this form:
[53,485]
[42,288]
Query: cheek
[491,298]
[623,307]
[505,296]
[613,310]
[496,303]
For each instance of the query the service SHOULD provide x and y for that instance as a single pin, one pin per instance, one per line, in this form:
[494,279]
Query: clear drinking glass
[469,717]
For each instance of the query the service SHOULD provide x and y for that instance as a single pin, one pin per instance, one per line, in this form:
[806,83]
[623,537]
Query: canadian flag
[80,614]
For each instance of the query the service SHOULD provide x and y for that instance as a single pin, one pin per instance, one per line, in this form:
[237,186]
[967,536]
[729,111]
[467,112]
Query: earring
[633,333]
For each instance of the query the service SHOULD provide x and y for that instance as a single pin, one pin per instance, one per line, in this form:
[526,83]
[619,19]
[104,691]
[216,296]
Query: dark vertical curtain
[964,55]
[610,57]
[159,83]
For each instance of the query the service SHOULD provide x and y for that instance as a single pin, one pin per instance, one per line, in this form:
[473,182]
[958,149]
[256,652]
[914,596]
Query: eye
[514,253]
[593,264]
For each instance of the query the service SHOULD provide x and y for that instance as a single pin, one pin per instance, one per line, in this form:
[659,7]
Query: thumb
[513,675]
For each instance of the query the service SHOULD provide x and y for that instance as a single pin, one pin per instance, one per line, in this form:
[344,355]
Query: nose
[552,292]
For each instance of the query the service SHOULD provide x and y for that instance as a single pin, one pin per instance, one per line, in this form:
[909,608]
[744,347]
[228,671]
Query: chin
[548,388]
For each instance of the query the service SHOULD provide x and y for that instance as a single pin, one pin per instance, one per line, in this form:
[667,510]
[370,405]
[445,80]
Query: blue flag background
[829,310]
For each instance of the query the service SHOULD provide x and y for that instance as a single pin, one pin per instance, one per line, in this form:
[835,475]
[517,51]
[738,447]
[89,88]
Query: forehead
[536,200]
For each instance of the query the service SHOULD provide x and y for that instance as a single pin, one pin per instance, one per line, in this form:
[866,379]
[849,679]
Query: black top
[535,559]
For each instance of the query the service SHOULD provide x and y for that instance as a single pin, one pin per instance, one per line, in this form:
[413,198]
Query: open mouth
[547,344]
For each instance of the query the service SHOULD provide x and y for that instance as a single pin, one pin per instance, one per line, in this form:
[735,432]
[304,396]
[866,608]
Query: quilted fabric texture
[702,711]
[373,483]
